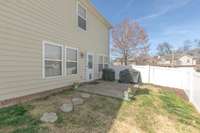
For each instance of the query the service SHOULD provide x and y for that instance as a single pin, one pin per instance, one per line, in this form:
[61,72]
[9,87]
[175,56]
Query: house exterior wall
[25,24]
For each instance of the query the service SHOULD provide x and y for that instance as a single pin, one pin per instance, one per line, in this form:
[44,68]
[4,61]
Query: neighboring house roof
[189,56]
[176,56]
[166,57]
[93,10]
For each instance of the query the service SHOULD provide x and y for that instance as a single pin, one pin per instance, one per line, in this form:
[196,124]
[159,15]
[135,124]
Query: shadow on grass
[139,92]
[97,114]
[144,91]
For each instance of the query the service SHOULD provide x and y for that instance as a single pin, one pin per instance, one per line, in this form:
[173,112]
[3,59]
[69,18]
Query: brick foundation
[23,99]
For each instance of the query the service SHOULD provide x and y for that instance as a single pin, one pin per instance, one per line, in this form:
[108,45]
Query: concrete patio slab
[111,89]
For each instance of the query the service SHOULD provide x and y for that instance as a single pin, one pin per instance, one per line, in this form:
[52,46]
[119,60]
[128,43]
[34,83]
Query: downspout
[109,47]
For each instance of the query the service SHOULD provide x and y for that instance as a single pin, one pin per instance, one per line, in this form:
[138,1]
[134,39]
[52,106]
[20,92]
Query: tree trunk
[125,60]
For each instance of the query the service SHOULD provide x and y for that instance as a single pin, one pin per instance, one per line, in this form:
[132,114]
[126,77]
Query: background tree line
[187,48]
[131,42]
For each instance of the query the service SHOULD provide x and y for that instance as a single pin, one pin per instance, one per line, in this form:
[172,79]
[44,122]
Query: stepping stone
[85,95]
[49,117]
[77,101]
[68,107]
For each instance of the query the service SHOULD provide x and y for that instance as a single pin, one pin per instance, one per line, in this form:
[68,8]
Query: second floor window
[82,16]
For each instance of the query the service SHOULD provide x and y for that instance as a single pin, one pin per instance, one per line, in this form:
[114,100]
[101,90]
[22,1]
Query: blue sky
[172,21]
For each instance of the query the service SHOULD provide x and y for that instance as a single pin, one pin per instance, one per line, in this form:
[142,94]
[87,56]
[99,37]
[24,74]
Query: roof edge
[93,9]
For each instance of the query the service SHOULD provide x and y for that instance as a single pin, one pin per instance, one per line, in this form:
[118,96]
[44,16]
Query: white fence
[195,90]
[181,78]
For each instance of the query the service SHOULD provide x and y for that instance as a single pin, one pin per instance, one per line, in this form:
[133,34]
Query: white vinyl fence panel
[181,78]
[195,92]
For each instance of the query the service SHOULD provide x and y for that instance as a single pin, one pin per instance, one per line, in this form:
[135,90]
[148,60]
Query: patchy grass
[14,116]
[152,110]
[184,112]
[17,119]
[145,116]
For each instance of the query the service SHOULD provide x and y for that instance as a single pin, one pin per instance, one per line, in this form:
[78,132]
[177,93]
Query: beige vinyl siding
[24,24]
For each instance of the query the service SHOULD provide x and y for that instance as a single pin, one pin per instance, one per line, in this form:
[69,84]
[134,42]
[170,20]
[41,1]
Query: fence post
[149,74]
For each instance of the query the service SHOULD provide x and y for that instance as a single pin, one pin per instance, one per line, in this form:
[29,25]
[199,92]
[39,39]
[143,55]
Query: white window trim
[44,59]
[86,19]
[66,60]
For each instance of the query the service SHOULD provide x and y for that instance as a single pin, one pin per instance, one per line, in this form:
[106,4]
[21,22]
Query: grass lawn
[153,110]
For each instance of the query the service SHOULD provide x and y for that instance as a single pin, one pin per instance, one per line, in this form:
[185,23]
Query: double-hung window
[82,17]
[52,59]
[100,63]
[71,61]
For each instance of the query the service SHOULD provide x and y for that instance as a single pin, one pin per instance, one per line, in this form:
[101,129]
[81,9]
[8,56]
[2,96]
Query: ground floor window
[71,61]
[52,59]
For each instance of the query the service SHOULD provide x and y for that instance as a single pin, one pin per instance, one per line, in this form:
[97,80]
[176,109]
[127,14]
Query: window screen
[82,17]
[53,60]
[72,61]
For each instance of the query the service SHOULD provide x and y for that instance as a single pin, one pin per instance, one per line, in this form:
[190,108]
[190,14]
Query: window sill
[69,75]
[81,30]
[53,77]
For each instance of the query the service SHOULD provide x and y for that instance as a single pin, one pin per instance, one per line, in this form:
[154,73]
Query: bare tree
[143,57]
[187,45]
[197,42]
[164,49]
[128,39]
